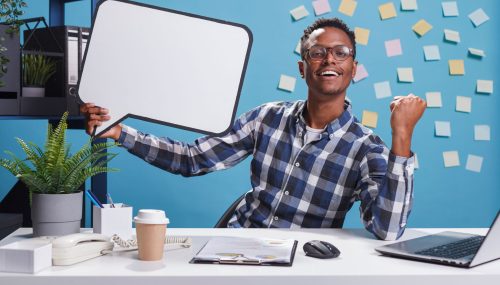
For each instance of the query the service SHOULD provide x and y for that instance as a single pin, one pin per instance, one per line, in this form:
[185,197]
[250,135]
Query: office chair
[222,223]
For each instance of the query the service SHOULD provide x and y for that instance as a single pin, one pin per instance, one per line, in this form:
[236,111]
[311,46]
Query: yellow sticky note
[387,11]
[362,35]
[369,119]
[348,7]
[421,27]
[456,66]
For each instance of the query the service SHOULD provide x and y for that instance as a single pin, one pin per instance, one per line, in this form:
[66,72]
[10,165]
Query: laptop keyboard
[456,249]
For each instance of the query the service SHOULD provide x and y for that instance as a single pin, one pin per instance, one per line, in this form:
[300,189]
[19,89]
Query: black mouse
[320,249]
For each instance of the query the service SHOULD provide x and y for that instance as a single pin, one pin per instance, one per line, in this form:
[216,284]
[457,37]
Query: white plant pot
[33,92]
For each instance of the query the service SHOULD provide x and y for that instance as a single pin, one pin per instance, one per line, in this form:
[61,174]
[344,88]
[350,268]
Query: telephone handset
[74,248]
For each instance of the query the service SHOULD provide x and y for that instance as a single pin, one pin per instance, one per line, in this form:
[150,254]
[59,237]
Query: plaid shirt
[295,184]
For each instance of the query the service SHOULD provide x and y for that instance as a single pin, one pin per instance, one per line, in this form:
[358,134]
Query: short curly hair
[327,22]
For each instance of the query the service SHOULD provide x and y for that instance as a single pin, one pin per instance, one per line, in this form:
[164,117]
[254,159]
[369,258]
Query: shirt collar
[341,122]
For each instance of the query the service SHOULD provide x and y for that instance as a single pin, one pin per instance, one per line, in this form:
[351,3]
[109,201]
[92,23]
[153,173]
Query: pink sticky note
[321,7]
[393,48]
[361,73]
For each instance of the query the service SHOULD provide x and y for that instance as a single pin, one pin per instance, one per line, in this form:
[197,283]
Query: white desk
[357,264]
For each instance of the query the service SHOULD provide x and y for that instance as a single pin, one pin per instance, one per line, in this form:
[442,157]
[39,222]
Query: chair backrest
[222,223]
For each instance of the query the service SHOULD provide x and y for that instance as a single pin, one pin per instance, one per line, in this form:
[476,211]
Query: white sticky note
[361,73]
[433,99]
[299,13]
[431,53]
[409,5]
[464,104]
[393,47]
[481,132]
[474,163]
[382,89]
[484,86]
[451,36]
[287,83]
[450,9]
[442,128]
[451,158]
[478,17]
[297,48]
[321,7]
[405,74]
[416,161]
[477,52]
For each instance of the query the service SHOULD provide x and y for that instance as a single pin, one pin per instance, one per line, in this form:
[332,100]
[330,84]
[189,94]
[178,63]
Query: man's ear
[301,68]
[354,68]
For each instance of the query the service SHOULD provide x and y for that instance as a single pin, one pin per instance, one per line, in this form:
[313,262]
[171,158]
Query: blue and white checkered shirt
[296,184]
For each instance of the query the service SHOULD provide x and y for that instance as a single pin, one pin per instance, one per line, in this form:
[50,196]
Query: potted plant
[37,69]
[54,176]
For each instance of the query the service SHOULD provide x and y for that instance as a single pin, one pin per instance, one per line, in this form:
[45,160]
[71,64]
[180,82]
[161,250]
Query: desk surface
[357,263]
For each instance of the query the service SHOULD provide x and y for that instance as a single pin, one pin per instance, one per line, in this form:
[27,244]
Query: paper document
[253,251]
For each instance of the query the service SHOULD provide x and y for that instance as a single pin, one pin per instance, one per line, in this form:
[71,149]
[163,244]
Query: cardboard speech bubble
[164,66]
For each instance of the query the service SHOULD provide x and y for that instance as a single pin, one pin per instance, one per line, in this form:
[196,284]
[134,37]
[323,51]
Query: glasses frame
[330,50]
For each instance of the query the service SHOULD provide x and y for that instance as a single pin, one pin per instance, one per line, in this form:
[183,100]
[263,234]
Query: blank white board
[164,66]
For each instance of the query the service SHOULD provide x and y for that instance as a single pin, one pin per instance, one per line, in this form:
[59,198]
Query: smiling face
[328,76]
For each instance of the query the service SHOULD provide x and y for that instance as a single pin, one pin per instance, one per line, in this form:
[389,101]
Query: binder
[247,251]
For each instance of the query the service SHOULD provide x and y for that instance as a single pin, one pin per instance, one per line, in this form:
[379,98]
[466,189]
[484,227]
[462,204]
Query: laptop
[450,248]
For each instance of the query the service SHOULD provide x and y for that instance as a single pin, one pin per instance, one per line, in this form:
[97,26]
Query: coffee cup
[151,226]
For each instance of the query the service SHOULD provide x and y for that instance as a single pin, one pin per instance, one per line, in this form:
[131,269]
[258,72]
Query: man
[311,159]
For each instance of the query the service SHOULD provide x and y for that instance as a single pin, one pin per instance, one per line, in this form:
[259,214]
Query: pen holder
[109,221]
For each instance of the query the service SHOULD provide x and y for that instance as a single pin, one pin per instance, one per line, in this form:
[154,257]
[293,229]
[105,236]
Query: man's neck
[322,111]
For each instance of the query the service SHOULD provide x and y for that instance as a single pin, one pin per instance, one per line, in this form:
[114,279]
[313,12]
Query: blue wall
[444,197]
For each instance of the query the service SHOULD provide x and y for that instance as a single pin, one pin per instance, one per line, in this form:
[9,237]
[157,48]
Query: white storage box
[26,256]
[109,221]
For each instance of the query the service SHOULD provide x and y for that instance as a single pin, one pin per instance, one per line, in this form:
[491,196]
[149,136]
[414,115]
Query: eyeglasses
[340,53]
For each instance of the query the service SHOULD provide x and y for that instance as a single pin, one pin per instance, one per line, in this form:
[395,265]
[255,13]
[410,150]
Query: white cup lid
[151,217]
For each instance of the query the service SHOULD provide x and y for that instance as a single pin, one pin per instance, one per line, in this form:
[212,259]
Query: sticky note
[478,17]
[416,161]
[477,52]
[431,53]
[456,66]
[405,74]
[422,27]
[287,83]
[393,47]
[474,163]
[464,104]
[442,128]
[433,99]
[297,48]
[299,13]
[361,35]
[361,73]
[382,89]
[369,119]
[481,132]
[484,86]
[451,36]
[451,158]
[409,5]
[387,11]
[450,9]
[348,7]
[321,7]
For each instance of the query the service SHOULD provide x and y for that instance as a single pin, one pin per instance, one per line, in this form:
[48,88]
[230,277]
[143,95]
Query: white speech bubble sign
[164,66]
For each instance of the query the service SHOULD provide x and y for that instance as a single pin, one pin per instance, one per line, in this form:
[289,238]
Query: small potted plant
[37,69]
[54,176]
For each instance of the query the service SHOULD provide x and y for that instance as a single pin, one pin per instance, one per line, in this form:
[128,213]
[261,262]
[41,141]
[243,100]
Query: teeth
[329,72]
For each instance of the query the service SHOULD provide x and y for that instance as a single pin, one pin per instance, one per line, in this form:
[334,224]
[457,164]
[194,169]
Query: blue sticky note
[431,53]
[442,128]
[382,89]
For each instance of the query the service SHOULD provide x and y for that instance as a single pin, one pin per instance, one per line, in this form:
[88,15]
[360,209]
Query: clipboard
[247,251]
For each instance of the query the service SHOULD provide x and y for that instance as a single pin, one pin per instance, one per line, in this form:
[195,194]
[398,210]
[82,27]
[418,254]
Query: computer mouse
[320,249]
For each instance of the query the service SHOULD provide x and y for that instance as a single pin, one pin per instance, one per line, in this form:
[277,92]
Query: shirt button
[297,164]
[275,218]
[331,136]
[408,167]
[300,134]
[286,192]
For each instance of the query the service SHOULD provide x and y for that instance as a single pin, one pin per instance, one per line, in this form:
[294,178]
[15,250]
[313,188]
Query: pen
[110,200]
[93,199]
